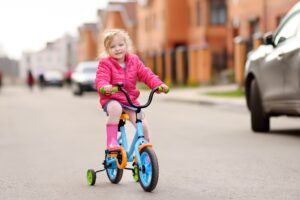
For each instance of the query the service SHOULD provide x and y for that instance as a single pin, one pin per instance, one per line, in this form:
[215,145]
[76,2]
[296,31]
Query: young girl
[120,66]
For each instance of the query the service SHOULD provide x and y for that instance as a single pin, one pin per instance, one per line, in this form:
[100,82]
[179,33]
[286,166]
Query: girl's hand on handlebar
[106,90]
[163,88]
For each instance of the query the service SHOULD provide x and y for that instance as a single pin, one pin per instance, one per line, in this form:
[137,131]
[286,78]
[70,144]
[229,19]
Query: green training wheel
[91,177]
[135,173]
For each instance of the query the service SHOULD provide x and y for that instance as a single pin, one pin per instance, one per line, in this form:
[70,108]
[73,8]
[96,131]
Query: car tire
[260,121]
[76,89]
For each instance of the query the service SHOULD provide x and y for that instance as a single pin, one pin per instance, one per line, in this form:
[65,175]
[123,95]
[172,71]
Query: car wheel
[260,121]
[76,89]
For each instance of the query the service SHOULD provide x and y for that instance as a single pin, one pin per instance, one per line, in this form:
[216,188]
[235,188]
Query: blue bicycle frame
[139,135]
[136,142]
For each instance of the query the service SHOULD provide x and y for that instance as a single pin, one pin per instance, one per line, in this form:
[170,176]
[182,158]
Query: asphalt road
[48,139]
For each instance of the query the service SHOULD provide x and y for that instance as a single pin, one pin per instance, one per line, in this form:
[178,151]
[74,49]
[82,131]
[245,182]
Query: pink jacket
[110,72]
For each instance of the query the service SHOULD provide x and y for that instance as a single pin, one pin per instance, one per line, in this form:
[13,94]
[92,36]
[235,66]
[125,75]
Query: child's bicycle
[140,153]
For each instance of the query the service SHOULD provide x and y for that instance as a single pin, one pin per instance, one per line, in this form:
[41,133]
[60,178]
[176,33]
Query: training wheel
[91,177]
[135,173]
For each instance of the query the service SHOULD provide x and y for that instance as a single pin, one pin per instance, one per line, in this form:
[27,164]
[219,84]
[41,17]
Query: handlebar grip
[160,89]
[113,90]
[102,90]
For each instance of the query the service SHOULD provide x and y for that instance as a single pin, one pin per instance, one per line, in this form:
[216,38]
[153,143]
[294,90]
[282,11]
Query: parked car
[272,74]
[83,77]
[53,78]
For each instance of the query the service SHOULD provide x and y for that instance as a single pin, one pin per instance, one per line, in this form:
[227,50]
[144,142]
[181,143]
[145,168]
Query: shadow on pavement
[291,132]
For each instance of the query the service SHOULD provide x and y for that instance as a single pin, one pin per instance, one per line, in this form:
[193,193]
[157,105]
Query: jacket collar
[115,61]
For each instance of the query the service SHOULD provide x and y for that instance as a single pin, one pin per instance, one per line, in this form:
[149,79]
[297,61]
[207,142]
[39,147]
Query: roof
[127,9]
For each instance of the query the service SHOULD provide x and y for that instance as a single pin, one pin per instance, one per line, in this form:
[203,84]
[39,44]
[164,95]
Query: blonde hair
[108,36]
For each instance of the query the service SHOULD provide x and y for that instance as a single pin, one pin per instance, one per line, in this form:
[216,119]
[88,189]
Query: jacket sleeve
[147,76]
[103,75]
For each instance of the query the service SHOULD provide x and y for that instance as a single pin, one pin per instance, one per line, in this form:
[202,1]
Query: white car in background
[53,78]
[83,77]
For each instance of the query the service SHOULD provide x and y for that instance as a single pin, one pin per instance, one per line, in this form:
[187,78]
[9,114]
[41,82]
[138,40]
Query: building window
[198,13]
[218,12]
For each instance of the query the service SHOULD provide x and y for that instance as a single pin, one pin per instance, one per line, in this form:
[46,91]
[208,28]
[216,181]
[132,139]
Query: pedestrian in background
[30,79]
[68,75]
[41,80]
[118,65]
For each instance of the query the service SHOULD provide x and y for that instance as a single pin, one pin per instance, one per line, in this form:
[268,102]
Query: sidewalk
[197,95]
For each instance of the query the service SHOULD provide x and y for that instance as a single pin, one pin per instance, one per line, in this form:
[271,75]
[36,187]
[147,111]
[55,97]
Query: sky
[26,25]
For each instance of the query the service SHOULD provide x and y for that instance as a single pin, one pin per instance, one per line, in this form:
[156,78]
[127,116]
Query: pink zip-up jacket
[110,72]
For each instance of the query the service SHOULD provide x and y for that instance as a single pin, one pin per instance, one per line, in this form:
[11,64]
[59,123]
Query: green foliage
[233,93]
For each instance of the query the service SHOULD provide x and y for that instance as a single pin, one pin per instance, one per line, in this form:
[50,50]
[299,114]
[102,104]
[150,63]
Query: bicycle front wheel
[114,175]
[149,171]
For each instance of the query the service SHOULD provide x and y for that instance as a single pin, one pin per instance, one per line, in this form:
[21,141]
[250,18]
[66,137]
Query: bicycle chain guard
[121,157]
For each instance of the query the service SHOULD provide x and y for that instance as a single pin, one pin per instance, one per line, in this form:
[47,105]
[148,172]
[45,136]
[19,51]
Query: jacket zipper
[125,78]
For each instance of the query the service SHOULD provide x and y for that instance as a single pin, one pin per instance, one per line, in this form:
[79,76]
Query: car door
[271,77]
[288,45]
[276,67]
[292,75]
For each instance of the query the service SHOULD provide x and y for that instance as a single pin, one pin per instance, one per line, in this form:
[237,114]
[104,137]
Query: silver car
[272,74]
[83,77]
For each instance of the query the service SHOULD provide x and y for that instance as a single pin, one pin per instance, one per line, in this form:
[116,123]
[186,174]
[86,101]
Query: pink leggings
[114,110]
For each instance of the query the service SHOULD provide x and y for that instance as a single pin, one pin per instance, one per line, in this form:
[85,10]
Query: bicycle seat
[124,116]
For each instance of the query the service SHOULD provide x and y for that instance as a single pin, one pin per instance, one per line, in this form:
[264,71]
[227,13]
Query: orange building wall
[277,8]
[267,11]
[87,46]
[151,32]
[162,24]
[115,20]
[206,34]
[196,34]
[177,19]
[216,38]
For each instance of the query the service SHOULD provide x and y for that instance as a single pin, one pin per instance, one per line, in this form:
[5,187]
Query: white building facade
[59,55]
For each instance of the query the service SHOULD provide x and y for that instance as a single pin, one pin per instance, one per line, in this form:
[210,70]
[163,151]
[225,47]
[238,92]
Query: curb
[205,100]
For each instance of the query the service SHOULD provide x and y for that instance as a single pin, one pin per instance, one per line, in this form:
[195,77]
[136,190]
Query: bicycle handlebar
[119,87]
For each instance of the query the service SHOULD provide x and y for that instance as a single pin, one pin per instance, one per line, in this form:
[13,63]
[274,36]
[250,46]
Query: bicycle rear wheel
[149,171]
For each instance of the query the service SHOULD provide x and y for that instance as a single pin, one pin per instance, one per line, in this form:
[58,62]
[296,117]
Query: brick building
[162,25]
[118,14]
[88,42]
[211,23]
[162,28]
[248,17]
[208,27]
